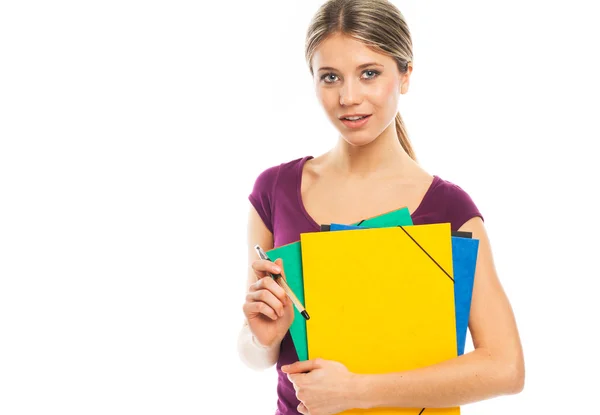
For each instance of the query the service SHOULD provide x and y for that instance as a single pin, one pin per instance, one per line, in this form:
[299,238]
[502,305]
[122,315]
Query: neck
[383,155]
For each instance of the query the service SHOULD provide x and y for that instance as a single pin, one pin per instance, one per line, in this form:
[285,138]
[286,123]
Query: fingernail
[277,269]
[284,367]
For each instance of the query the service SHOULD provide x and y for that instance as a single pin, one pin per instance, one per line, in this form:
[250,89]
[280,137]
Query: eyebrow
[364,65]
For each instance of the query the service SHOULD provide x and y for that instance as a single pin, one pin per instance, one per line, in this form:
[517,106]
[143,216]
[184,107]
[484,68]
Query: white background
[130,137]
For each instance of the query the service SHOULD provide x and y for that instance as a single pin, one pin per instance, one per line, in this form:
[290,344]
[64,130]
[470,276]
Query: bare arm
[252,353]
[495,367]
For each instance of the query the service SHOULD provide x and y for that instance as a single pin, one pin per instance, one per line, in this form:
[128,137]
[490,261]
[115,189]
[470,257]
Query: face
[352,79]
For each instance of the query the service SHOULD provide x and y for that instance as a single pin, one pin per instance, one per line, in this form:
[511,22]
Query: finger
[293,380]
[258,307]
[268,298]
[270,285]
[302,409]
[263,266]
[300,366]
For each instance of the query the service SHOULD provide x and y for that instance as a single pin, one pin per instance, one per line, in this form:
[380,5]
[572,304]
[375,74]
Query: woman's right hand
[268,309]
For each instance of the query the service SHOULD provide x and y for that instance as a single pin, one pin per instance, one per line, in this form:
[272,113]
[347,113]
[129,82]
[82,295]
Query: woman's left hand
[327,388]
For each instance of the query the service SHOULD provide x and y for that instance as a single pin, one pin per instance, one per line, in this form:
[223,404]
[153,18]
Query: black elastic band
[427,253]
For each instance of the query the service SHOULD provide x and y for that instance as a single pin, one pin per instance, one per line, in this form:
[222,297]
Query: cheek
[386,94]
[328,98]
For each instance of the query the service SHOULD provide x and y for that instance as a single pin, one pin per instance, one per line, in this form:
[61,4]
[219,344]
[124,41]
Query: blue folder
[464,259]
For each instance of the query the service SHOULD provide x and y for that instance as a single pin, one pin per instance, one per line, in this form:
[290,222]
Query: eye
[326,76]
[372,71]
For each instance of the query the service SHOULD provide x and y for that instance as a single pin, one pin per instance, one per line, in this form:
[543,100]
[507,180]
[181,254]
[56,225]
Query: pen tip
[305,315]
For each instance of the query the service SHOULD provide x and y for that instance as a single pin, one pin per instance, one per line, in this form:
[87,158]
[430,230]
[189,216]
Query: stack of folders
[384,295]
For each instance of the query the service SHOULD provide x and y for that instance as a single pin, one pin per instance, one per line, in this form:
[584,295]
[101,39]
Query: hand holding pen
[268,308]
[283,283]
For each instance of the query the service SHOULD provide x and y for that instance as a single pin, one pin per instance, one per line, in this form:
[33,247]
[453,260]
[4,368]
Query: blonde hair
[377,23]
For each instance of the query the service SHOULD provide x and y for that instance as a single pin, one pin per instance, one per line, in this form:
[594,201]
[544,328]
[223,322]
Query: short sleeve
[459,207]
[261,196]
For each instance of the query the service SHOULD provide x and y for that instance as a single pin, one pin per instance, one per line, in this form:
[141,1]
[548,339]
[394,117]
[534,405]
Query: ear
[405,79]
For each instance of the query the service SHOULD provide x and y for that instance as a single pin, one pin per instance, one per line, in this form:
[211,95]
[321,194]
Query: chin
[358,139]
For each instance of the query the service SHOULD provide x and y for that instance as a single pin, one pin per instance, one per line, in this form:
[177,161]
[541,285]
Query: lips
[354,117]
[357,123]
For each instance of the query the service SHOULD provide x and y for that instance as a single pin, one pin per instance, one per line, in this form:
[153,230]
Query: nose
[350,93]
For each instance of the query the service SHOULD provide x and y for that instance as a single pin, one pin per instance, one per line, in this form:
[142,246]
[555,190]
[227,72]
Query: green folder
[291,255]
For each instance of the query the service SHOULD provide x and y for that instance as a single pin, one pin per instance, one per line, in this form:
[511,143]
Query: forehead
[346,53]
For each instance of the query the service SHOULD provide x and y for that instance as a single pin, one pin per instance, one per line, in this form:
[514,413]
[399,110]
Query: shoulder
[265,181]
[268,178]
[454,202]
[453,193]
[272,183]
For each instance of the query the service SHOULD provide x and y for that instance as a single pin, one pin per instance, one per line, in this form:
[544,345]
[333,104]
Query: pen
[281,281]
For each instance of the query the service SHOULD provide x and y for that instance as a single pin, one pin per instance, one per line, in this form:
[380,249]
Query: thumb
[279,262]
[287,302]
[302,366]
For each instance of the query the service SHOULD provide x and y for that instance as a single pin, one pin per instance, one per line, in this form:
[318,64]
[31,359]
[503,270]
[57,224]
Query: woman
[360,56]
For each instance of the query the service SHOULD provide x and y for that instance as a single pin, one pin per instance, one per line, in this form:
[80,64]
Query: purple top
[277,199]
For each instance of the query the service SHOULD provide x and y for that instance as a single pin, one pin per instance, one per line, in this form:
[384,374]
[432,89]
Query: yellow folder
[381,300]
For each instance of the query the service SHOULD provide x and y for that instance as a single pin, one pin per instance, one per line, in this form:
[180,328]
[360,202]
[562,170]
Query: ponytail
[403,137]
